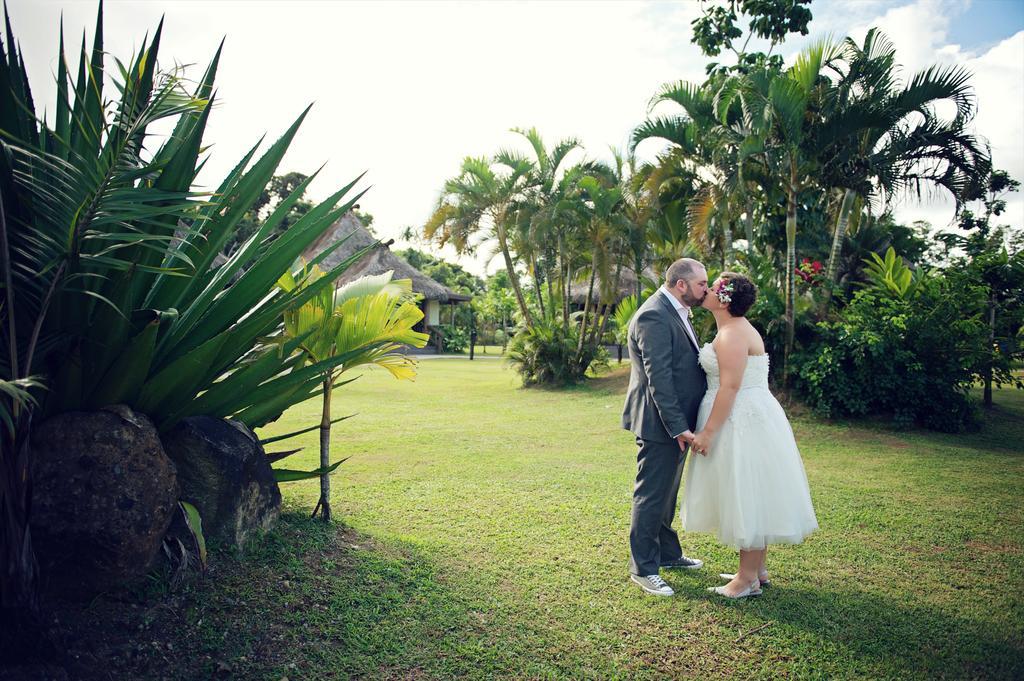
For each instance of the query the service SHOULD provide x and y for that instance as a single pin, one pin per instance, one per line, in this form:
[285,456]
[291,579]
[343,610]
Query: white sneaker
[653,584]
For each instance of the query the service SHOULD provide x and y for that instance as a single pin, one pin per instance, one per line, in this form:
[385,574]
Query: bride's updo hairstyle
[743,293]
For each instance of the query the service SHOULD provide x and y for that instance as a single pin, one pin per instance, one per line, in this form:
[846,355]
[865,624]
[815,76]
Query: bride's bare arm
[731,350]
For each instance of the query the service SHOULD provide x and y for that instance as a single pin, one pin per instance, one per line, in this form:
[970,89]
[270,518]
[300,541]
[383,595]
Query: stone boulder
[104,494]
[224,472]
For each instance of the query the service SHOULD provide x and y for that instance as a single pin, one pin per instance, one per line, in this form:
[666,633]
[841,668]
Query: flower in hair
[724,292]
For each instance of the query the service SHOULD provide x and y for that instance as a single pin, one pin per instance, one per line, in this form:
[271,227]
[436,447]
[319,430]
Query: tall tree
[716,30]
[480,202]
[542,214]
[706,152]
[879,138]
[780,110]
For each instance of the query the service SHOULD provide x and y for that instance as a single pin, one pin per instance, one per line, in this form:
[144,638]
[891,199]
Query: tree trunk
[512,276]
[325,454]
[504,332]
[586,308]
[790,279]
[791,270]
[842,223]
[991,349]
[608,307]
[568,296]
[749,225]
[727,237]
[563,271]
[536,287]
[551,292]
[638,265]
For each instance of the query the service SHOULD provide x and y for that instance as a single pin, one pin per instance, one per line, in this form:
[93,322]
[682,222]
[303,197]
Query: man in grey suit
[666,386]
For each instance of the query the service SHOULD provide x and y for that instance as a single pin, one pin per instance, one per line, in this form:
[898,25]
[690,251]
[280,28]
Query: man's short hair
[684,268]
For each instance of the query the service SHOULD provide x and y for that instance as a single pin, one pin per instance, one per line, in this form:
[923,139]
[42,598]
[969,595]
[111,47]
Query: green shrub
[912,357]
[454,338]
[547,355]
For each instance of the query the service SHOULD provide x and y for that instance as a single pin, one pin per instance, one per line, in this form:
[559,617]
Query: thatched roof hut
[377,261]
[627,287]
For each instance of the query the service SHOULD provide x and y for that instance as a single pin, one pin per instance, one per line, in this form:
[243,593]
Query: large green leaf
[125,377]
[265,320]
[231,208]
[211,313]
[221,394]
[177,383]
[301,431]
[195,527]
[289,475]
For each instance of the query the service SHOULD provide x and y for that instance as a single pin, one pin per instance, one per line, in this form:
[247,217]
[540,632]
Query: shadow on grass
[890,636]
[304,601]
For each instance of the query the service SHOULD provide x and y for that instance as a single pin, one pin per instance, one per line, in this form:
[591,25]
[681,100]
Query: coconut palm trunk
[748,224]
[791,283]
[842,224]
[727,238]
[987,398]
[586,308]
[790,275]
[512,276]
[566,298]
[536,286]
[551,292]
[608,306]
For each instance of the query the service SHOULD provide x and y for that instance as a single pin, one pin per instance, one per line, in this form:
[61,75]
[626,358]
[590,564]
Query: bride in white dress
[749,486]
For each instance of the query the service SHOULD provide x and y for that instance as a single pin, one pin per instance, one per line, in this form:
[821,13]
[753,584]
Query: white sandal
[753,589]
[731,576]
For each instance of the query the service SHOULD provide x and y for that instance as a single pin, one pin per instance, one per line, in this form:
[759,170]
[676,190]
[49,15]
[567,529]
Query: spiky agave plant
[107,261]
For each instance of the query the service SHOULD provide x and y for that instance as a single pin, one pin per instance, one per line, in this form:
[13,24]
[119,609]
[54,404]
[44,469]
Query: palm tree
[547,186]
[777,111]
[673,184]
[640,210]
[368,321]
[482,199]
[606,236]
[707,149]
[878,138]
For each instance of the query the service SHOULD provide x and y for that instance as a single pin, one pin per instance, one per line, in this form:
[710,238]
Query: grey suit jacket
[666,383]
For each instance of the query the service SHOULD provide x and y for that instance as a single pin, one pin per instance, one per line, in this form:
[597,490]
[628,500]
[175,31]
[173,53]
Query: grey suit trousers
[652,541]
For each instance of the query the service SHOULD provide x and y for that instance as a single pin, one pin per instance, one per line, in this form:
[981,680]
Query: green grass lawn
[483,534]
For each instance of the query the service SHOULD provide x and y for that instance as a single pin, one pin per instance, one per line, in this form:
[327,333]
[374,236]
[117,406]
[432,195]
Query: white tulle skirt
[751,489]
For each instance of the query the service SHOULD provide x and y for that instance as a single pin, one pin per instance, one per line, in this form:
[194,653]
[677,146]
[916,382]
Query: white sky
[406,90]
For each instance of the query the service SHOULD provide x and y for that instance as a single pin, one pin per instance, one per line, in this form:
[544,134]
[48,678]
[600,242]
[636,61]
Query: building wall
[432,312]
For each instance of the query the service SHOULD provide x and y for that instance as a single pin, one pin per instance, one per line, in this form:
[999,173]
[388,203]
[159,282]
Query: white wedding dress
[751,488]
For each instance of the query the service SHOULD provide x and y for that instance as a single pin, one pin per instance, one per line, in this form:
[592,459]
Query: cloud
[998,80]
[919,31]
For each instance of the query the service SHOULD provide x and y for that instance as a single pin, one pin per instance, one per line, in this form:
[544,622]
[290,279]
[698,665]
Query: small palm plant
[368,321]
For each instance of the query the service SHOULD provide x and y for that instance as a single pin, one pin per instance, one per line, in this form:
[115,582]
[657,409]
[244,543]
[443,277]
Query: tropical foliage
[786,172]
[572,227]
[906,351]
[368,321]
[115,284]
